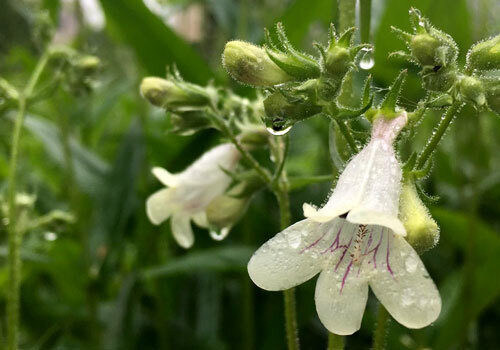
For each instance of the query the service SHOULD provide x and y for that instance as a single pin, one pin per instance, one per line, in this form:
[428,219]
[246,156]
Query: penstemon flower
[190,192]
[355,241]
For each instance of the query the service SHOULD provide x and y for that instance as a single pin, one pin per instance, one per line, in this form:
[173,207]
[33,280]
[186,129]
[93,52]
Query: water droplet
[50,236]
[219,235]
[294,239]
[367,62]
[411,264]
[278,132]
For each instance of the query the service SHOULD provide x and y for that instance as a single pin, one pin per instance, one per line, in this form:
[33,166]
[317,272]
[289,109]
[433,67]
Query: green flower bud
[173,94]
[485,55]
[423,47]
[471,89]
[188,122]
[438,78]
[338,60]
[88,64]
[493,98]
[253,135]
[227,209]
[250,64]
[421,229]
[281,114]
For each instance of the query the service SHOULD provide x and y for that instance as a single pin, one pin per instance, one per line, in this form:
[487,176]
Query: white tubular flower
[189,193]
[364,248]
[368,189]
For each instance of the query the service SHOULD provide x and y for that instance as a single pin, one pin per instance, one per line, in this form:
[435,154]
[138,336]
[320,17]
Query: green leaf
[89,168]
[230,258]
[155,44]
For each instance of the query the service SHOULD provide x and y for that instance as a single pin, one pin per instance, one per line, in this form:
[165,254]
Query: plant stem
[347,135]
[347,14]
[380,333]
[335,342]
[14,234]
[365,9]
[437,135]
[292,334]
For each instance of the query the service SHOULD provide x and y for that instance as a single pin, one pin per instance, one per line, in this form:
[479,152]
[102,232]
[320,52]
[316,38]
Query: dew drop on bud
[367,62]
[219,235]
[278,132]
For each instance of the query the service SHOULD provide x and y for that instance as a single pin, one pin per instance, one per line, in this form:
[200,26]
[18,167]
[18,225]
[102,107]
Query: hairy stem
[437,135]
[14,234]
[347,135]
[335,342]
[380,333]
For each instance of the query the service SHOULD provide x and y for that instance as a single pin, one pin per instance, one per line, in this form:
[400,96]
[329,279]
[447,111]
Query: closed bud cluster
[421,229]
[435,51]
[484,55]
[188,122]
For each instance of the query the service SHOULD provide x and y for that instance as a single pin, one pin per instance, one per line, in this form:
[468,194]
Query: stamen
[357,254]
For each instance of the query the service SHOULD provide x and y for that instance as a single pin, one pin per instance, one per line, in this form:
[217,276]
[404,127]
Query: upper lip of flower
[368,188]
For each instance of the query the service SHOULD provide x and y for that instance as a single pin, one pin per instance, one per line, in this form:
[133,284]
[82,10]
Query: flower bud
[282,114]
[188,122]
[338,60]
[88,64]
[438,78]
[253,135]
[485,55]
[471,89]
[227,209]
[493,98]
[250,64]
[423,48]
[172,94]
[421,229]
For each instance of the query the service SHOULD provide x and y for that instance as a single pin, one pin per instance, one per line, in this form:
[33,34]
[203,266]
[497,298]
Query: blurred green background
[112,280]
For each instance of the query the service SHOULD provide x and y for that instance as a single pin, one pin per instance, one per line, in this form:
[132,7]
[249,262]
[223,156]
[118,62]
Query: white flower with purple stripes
[188,193]
[356,240]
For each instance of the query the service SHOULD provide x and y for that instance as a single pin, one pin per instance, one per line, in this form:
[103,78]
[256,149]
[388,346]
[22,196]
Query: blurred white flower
[190,192]
[93,14]
[355,241]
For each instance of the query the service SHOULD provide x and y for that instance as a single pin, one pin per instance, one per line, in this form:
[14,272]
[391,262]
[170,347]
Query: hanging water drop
[367,62]
[278,132]
[220,234]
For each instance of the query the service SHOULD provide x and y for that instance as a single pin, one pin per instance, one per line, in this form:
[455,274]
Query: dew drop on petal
[411,264]
[294,238]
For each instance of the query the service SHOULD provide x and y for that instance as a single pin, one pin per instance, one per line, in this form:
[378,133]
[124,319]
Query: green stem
[437,135]
[365,9]
[347,14]
[380,333]
[347,135]
[14,234]
[335,342]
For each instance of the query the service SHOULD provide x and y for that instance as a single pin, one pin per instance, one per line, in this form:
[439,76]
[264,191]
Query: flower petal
[165,177]
[160,205]
[349,189]
[403,285]
[200,219]
[292,256]
[341,295]
[381,189]
[182,230]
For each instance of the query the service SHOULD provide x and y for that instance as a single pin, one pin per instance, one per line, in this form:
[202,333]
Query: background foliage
[112,280]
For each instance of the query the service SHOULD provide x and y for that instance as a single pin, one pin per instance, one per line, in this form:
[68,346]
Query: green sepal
[391,98]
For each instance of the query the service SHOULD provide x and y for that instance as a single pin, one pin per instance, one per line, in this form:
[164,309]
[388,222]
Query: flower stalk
[14,233]
[437,135]
[335,342]
[380,333]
